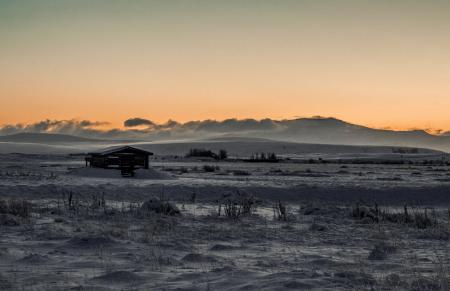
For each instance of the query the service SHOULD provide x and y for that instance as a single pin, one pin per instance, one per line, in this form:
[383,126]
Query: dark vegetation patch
[381,251]
[161,207]
[204,153]
[198,258]
[121,277]
[19,208]
[90,242]
[421,218]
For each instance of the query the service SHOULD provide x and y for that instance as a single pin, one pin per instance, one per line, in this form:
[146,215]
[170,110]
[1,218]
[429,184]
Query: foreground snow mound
[115,174]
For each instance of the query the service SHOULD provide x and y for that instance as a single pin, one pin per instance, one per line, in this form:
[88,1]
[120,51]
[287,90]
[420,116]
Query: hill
[45,138]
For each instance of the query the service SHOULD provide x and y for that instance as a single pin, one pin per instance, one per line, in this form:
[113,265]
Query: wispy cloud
[54,126]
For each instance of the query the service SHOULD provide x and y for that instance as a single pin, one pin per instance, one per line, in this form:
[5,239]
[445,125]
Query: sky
[378,63]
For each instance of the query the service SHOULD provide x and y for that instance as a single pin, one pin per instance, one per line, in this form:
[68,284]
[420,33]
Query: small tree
[272,157]
[223,155]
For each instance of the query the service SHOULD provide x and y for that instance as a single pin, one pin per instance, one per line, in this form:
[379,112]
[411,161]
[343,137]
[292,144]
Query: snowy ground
[113,245]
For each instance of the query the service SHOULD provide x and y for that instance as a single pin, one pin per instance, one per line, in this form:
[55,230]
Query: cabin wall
[113,161]
[142,161]
[98,162]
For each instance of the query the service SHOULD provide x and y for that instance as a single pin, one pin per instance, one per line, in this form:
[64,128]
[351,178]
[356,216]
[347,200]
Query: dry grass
[19,208]
[421,218]
[158,236]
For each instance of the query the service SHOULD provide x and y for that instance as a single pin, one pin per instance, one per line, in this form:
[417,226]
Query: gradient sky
[378,63]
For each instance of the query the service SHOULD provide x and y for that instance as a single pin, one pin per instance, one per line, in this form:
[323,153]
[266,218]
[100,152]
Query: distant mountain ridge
[316,130]
[28,137]
[333,131]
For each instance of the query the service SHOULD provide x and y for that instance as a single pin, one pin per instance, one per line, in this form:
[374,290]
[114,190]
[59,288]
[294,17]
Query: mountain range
[302,130]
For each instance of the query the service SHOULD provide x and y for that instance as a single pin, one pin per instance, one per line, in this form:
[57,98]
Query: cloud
[141,128]
[75,127]
[88,123]
[137,121]
[231,125]
[312,130]
[170,124]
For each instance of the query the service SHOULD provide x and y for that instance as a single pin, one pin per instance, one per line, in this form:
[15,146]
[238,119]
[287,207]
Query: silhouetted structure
[125,158]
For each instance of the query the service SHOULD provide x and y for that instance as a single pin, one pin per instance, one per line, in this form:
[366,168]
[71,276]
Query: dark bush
[241,173]
[264,157]
[381,251]
[236,205]
[203,153]
[9,220]
[161,207]
[223,155]
[19,208]
[208,168]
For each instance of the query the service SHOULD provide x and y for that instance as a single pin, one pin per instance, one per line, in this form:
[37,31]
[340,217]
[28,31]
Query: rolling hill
[45,138]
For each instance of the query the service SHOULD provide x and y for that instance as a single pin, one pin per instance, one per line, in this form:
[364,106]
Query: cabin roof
[113,150]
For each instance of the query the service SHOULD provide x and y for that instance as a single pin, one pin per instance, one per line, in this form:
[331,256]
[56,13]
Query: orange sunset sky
[377,63]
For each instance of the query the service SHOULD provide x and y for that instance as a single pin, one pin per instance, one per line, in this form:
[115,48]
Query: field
[235,225]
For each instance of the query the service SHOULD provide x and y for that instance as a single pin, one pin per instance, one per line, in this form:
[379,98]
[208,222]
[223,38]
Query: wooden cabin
[119,157]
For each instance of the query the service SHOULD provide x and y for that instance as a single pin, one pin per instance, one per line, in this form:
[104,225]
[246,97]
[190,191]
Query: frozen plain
[320,245]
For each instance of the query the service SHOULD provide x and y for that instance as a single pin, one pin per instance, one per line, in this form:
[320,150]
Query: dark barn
[125,157]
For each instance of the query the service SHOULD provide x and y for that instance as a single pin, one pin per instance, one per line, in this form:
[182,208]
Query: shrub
[155,205]
[203,153]
[263,157]
[420,218]
[435,233]
[208,168]
[19,208]
[238,205]
[364,212]
[423,221]
[241,173]
[223,155]
[8,220]
[381,251]
[280,211]
[317,227]
[3,206]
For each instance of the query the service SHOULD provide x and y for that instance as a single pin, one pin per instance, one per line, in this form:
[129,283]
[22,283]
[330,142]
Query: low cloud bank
[308,130]
[141,128]
[72,127]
